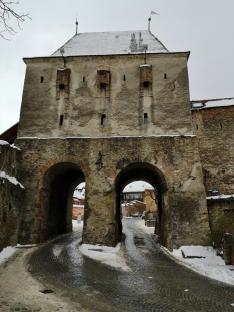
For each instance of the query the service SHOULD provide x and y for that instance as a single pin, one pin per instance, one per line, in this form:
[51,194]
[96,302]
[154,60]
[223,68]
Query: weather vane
[77,26]
[149,19]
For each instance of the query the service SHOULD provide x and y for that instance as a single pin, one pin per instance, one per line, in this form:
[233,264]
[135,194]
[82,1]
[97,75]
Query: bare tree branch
[10,18]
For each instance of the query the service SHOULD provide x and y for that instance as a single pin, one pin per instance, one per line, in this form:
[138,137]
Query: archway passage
[140,199]
[78,207]
[150,174]
[59,184]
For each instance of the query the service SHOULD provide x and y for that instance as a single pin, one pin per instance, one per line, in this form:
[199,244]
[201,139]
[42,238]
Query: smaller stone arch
[59,183]
[154,176]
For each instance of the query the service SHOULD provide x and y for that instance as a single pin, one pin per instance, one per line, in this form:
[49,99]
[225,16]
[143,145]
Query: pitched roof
[109,43]
[10,134]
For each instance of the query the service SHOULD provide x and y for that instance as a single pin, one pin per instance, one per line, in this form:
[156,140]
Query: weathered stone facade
[11,194]
[214,131]
[109,120]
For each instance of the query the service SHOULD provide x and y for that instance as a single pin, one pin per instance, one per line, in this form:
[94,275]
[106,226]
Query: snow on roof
[222,196]
[109,43]
[137,187]
[204,104]
[3,142]
[80,191]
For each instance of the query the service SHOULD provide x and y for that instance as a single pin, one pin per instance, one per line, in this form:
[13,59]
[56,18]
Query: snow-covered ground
[147,229]
[77,225]
[209,264]
[111,256]
[6,253]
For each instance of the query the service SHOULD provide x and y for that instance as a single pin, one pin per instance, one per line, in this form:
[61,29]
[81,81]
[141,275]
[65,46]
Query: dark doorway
[59,184]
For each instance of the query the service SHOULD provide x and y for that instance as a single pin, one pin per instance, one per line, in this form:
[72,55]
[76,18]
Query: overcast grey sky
[204,27]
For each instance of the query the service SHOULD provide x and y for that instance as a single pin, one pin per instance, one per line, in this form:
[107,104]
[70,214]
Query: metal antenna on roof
[77,26]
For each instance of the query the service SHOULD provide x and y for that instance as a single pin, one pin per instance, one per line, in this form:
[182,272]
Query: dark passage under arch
[144,172]
[59,184]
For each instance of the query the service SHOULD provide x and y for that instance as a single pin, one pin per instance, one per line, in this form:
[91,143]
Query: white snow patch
[222,196]
[77,225]
[57,250]
[211,265]
[26,246]
[12,180]
[3,142]
[147,229]
[6,253]
[111,256]
[213,103]
[146,65]
[15,147]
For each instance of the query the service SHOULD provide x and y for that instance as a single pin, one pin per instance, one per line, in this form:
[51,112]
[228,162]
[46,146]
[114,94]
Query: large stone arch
[59,183]
[151,174]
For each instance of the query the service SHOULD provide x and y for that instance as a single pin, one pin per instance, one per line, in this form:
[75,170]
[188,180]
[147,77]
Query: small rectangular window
[61,120]
[42,79]
[145,118]
[103,119]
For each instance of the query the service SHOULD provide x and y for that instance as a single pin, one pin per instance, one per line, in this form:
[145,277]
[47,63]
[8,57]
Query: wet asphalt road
[155,282]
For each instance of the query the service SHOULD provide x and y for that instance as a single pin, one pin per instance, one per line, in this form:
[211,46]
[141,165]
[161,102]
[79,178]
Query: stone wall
[221,218]
[82,104]
[176,171]
[214,130]
[11,195]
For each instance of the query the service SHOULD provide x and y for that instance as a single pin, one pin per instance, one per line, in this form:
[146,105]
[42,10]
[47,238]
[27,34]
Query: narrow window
[165,76]
[63,83]
[146,84]
[145,80]
[221,125]
[103,119]
[83,79]
[145,118]
[197,127]
[61,86]
[103,86]
[61,120]
[103,81]
[124,78]
[42,79]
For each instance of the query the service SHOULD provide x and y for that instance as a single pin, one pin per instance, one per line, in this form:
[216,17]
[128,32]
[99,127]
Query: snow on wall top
[109,43]
[204,104]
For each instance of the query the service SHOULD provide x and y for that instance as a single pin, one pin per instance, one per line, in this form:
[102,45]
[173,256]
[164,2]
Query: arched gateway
[59,183]
[151,174]
[108,116]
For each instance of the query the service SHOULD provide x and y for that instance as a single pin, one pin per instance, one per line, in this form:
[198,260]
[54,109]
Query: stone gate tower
[109,108]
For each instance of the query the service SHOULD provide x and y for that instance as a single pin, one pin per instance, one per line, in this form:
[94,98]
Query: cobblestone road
[155,282]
